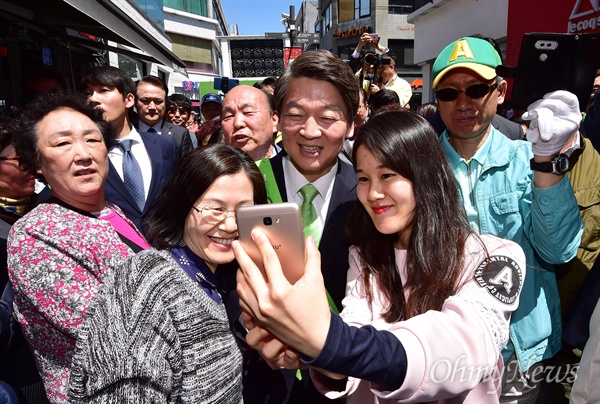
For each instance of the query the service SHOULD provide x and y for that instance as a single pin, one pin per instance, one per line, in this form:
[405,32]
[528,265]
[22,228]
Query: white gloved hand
[554,119]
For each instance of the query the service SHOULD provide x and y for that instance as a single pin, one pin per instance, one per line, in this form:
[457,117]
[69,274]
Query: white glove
[554,119]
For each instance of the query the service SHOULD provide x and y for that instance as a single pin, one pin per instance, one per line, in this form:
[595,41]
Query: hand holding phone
[282,224]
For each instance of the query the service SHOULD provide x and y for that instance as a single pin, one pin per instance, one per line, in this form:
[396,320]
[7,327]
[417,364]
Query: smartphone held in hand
[282,224]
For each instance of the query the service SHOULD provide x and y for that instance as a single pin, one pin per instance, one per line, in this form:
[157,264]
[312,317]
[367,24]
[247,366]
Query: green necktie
[312,228]
[309,213]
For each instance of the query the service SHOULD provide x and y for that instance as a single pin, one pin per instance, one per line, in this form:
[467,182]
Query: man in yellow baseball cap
[516,190]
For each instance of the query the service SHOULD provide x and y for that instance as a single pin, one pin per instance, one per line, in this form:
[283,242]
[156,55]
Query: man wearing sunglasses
[516,190]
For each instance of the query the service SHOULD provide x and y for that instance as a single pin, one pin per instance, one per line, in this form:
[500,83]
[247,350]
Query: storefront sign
[190,85]
[585,17]
[346,33]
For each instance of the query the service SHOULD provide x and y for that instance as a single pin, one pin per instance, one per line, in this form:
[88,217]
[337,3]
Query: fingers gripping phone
[282,224]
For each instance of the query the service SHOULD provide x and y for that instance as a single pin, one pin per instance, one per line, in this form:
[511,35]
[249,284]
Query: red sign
[572,16]
[88,36]
[585,17]
[3,51]
[289,54]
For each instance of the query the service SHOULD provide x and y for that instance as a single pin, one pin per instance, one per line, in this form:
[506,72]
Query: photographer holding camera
[365,73]
[378,70]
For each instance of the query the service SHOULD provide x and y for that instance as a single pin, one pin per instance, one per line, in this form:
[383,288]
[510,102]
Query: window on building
[346,10]
[190,49]
[217,16]
[133,67]
[197,7]
[420,3]
[363,7]
[353,9]
[327,21]
[154,11]
[401,6]
[405,54]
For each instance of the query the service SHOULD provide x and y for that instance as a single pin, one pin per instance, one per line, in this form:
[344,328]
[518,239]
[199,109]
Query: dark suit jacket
[163,157]
[180,135]
[510,129]
[261,383]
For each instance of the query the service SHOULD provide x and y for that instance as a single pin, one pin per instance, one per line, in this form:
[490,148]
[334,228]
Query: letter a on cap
[461,49]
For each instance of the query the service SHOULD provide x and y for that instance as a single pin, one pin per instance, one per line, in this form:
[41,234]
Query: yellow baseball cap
[475,54]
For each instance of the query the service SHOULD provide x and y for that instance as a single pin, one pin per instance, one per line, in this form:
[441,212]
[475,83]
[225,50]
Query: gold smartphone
[282,224]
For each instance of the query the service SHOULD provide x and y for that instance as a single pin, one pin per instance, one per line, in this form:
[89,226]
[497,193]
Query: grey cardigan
[153,335]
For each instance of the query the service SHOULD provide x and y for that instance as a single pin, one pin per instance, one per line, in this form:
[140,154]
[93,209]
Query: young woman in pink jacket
[428,302]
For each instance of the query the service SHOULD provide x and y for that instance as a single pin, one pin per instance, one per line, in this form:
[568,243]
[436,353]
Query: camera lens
[371,59]
[267,221]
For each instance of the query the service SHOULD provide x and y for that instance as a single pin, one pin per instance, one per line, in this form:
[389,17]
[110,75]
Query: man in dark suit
[150,103]
[317,99]
[112,90]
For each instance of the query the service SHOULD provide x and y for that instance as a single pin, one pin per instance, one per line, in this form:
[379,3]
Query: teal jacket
[545,222]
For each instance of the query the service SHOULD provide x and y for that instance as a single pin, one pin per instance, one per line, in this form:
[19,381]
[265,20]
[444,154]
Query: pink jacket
[453,355]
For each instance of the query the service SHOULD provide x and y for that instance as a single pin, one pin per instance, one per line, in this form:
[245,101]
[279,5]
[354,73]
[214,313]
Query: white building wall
[443,21]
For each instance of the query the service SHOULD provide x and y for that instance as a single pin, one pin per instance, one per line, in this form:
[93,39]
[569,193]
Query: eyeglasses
[22,165]
[174,110]
[476,91]
[214,213]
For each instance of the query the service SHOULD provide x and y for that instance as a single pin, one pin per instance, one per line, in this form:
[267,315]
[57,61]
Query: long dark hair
[192,176]
[406,144]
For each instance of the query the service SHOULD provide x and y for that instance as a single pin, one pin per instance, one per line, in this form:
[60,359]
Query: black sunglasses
[22,165]
[476,91]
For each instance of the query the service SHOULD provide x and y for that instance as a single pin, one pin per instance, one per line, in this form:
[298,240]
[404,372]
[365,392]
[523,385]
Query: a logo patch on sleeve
[501,276]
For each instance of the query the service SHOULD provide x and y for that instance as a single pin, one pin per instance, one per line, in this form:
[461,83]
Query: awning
[104,19]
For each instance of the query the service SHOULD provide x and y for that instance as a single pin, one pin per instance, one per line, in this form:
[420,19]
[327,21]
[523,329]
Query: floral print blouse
[57,261]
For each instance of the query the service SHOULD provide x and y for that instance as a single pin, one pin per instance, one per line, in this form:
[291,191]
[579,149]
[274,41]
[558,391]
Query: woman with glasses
[60,253]
[159,331]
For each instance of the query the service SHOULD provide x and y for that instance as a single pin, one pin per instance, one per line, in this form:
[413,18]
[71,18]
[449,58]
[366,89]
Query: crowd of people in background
[451,256]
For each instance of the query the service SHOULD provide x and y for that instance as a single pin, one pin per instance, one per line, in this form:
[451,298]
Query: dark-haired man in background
[112,90]
[150,103]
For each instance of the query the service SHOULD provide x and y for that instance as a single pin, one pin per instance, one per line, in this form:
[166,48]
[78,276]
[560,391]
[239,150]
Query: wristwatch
[559,165]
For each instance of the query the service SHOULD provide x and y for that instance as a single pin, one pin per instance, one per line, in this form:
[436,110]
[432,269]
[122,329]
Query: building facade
[172,39]
[193,27]
[70,36]
[342,22]
[439,22]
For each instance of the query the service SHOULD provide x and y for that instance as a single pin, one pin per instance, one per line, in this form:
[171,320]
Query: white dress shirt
[115,154]
[294,180]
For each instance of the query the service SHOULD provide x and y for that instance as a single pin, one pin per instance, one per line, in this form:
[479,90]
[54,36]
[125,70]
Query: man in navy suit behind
[317,99]
[151,106]
[112,90]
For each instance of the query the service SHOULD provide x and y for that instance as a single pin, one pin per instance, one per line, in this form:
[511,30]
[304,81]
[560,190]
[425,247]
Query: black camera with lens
[374,60]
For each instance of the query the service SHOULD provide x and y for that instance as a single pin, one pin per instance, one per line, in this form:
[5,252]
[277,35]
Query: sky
[255,17]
